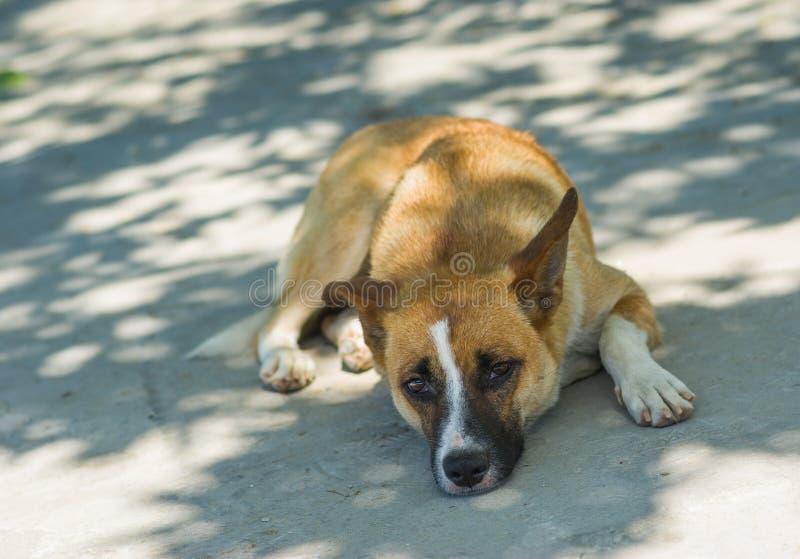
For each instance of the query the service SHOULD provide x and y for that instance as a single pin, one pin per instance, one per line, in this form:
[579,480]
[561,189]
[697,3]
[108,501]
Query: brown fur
[417,233]
[398,205]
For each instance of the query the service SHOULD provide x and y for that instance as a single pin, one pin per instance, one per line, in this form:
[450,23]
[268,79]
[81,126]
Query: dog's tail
[237,339]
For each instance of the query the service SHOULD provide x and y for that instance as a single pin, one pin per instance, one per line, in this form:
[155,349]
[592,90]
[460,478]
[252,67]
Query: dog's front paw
[286,369]
[655,397]
[353,350]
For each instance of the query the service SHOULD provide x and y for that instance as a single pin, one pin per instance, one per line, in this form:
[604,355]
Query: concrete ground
[151,171]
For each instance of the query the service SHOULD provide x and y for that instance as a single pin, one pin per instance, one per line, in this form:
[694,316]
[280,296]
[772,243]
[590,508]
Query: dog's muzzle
[466,468]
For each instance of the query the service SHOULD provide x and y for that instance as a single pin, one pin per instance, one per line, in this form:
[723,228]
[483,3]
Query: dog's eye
[500,369]
[417,386]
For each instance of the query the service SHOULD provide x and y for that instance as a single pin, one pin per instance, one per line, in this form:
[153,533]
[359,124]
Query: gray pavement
[152,168]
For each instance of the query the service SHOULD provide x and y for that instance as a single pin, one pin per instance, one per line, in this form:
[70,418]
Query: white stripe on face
[453,434]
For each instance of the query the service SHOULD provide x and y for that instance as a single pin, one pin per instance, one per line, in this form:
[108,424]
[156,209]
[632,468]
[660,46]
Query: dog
[458,259]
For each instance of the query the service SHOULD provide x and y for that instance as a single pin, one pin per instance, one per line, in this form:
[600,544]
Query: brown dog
[466,261]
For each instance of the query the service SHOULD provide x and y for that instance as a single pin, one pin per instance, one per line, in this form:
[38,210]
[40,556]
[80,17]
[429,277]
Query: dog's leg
[653,395]
[345,332]
[325,248]
[313,261]
[284,366]
[330,243]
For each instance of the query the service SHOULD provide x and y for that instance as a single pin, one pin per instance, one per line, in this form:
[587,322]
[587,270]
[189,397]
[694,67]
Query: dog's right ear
[361,292]
[370,297]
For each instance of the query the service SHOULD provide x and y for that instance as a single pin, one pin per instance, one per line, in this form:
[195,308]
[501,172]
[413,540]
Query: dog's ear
[539,267]
[370,297]
[359,293]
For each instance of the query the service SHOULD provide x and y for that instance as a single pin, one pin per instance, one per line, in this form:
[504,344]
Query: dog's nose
[466,469]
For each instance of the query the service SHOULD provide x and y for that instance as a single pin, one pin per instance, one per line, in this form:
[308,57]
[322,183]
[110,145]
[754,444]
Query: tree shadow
[350,479]
[155,171]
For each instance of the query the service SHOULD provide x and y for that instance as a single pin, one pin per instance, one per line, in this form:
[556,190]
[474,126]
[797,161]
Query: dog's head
[467,370]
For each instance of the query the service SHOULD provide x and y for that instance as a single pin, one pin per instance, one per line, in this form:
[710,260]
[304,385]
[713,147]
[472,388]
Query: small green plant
[11,79]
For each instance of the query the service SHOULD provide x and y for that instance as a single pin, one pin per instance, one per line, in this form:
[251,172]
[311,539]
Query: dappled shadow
[157,164]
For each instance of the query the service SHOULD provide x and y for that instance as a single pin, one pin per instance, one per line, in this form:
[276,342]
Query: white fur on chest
[581,353]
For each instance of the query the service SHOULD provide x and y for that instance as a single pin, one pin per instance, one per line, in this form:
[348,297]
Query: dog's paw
[355,354]
[353,350]
[655,397]
[286,369]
